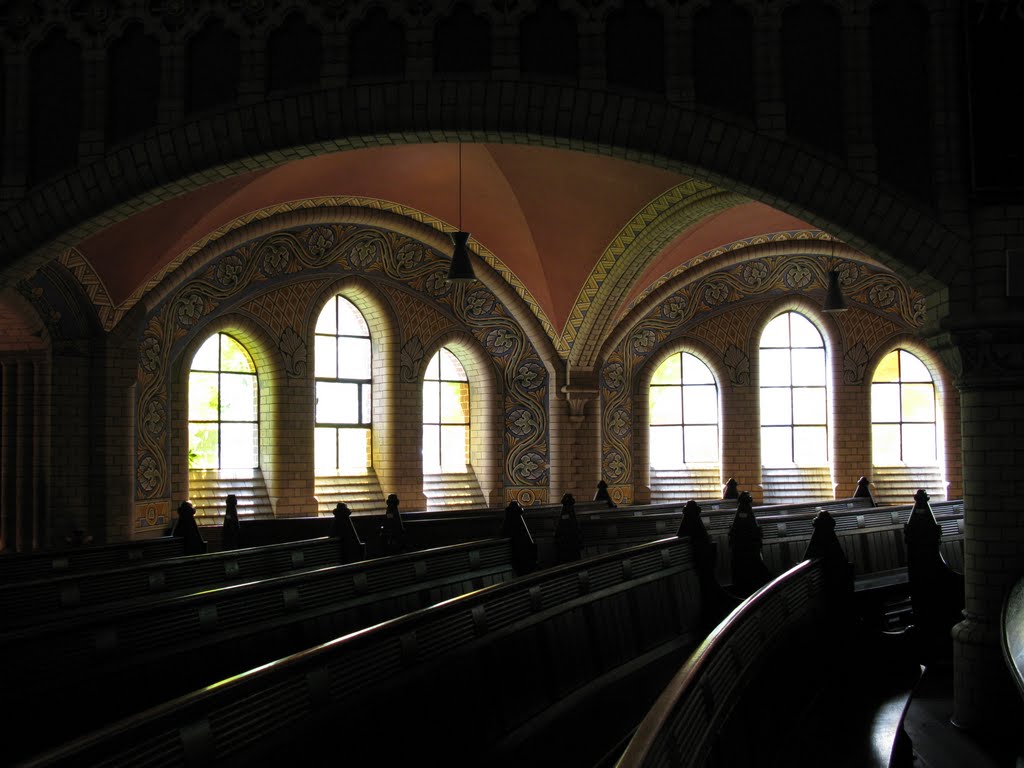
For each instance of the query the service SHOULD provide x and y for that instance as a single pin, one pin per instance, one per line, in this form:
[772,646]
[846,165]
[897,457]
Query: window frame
[682,386]
[364,389]
[899,383]
[220,421]
[441,423]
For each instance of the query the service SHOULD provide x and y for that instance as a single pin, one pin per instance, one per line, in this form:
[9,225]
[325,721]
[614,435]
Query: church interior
[476,253]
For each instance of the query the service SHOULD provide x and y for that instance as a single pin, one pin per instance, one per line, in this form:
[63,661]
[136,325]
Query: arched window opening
[794,393]
[446,415]
[223,413]
[904,426]
[342,358]
[683,413]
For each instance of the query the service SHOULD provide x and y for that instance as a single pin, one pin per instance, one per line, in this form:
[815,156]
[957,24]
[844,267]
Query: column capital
[982,356]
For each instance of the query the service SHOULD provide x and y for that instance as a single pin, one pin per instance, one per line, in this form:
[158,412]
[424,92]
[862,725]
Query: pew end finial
[603,495]
[731,489]
[524,549]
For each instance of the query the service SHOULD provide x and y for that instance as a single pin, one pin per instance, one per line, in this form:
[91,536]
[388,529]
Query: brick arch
[818,248]
[778,172]
[628,257]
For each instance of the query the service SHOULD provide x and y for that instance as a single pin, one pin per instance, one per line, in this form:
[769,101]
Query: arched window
[445,414]
[683,413]
[223,416]
[343,389]
[903,415]
[794,393]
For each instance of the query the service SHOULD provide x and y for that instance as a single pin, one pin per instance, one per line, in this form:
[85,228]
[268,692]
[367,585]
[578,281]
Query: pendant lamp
[834,302]
[461,269]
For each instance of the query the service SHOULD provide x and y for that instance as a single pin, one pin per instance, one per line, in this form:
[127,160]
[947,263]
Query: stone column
[989,362]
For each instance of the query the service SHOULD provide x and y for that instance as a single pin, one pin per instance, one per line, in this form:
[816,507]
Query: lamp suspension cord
[460,186]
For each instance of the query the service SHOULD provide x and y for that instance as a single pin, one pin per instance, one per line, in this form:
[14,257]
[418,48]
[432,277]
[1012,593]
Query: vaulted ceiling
[585,234]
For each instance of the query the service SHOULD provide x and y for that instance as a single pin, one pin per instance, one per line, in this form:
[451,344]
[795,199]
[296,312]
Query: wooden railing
[691,717]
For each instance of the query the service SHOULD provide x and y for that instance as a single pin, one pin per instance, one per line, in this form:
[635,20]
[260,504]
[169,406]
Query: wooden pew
[783,680]
[30,566]
[32,602]
[507,675]
[147,654]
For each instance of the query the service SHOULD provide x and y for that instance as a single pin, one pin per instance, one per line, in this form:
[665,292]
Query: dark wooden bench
[141,656]
[30,566]
[506,675]
[34,601]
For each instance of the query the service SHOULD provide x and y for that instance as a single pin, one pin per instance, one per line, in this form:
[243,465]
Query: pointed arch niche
[460,427]
[679,405]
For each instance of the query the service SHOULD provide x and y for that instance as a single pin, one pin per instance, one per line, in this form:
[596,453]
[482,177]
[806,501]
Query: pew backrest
[151,653]
[34,601]
[538,639]
[28,566]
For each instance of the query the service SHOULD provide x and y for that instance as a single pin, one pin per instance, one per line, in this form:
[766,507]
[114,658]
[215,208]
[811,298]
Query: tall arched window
[343,390]
[683,413]
[223,416]
[445,414]
[904,427]
[794,393]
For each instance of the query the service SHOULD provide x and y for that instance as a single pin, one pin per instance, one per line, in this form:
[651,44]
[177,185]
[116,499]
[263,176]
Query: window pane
[337,403]
[774,367]
[803,333]
[700,405]
[701,445]
[454,402]
[208,355]
[325,323]
[776,333]
[775,406]
[912,369]
[451,368]
[431,402]
[325,449]
[668,372]
[434,367]
[238,448]
[889,368]
[233,356]
[776,446]
[695,371]
[919,444]
[238,397]
[325,357]
[809,405]
[918,402]
[809,367]
[353,358]
[666,447]
[353,450]
[885,444]
[810,446]
[202,441]
[350,319]
[367,394]
[885,402]
[202,396]
[431,448]
[666,405]
[453,449]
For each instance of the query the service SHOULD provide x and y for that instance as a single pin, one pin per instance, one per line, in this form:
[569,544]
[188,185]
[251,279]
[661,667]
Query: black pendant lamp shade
[834,300]
[461,270]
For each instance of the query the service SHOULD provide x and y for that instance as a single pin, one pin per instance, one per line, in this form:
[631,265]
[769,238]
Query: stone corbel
[580,390]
